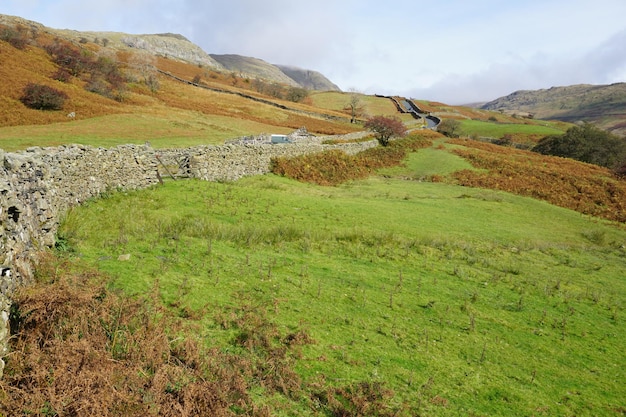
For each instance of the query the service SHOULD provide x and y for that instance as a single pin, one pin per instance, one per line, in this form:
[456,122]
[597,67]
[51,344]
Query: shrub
[297,94]
[385,128]
[586,143]
[43,97]
[16,37]
[62,75]
[450,127]
[68,57]
[99,86]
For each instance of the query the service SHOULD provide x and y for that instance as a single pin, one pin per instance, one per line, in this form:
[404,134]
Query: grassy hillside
[604,105]
[178,113]
[472,279]
[253,67]
[399,297]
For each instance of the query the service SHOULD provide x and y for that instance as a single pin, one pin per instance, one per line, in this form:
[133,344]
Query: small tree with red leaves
[385,128]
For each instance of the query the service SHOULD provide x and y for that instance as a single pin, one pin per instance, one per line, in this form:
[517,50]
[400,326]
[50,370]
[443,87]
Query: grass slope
[518,132]
[462,301]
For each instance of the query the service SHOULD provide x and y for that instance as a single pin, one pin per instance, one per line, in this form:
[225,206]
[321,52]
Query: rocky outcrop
[171,46]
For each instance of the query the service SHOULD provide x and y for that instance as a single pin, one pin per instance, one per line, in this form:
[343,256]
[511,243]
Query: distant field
[498,130]
[370,105]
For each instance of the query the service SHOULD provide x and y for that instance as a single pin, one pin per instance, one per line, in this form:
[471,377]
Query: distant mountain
[254,68]
[171,45]
[311,80]
[257,68]
[604,105]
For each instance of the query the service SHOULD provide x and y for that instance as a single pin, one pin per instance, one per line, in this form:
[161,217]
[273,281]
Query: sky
[452,51]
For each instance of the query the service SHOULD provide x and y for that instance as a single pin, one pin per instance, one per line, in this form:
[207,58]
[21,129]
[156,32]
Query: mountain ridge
[177,46]
[604,105]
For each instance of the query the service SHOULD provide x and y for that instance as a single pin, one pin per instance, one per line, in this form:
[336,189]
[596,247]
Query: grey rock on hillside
[172,46]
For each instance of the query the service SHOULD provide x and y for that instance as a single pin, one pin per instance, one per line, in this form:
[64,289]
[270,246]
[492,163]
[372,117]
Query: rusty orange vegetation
[335,167]
[33,64]
[586,188]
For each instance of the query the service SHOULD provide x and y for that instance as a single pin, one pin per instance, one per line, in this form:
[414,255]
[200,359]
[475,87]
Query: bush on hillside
[586,143]
[16,37]
[43,97]
[102,73]
[297,94]
[450,127]
[385,128]
[62,75]
[69,57]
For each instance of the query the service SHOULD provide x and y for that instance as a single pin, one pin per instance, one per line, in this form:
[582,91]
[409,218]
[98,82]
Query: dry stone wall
[39,185]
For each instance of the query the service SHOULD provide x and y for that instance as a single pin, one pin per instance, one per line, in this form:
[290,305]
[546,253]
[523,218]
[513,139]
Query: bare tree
[355,105]
[145,64]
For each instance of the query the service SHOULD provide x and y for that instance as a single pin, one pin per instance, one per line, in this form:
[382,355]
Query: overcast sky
[454,51]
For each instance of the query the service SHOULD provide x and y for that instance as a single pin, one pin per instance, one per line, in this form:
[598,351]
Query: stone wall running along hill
[39,185]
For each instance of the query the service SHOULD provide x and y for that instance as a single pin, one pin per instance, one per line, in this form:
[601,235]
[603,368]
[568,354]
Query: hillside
[129,95]
[258,68]
[176,46]
[386,296]
[253,68]
[604,105]
[311,80]
[435,277]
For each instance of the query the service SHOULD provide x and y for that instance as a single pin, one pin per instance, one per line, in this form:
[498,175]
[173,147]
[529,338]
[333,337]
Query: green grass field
[498,130]
[173,129]
[370,105]
[462,301]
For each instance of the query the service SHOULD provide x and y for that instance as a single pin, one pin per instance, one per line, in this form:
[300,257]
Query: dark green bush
[62,75]
[43,97]
[586,143]
[297,94]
